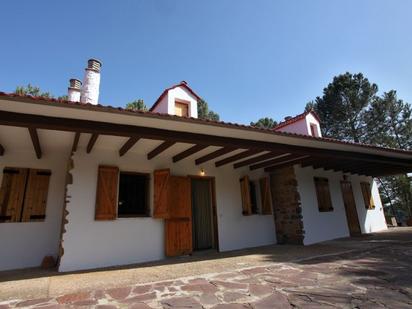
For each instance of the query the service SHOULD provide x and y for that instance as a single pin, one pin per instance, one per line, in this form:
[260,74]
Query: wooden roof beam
[76,139]
[129,144]
[215,154]
[285,163]
[236,157]
[274,161]
[159,149]
[188,152]
[257,159]
[36,141]
[92,141]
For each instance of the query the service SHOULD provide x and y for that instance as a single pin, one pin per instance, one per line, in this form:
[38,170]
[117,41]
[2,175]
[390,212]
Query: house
[96,186]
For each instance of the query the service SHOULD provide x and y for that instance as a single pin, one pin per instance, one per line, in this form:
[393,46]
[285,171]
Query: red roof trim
[296,119]
[181,84]
[108,108]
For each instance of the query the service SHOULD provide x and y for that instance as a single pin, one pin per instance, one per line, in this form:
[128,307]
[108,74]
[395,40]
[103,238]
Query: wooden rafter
[1,150]
[129,144]
[188,152]
[213,155]
[159,149]
[92,141]
[107,128]
[285,163]
[76,139]
[257,159]
[36,141]
[236,157]
[278,159]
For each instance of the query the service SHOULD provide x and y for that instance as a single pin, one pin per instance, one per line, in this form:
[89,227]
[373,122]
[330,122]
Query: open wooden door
[350,208]
[178,225]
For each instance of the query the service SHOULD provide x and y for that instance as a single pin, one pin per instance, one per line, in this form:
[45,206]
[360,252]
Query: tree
[136,105]
[343,106]
[264,123]
[203,111]
[32,90]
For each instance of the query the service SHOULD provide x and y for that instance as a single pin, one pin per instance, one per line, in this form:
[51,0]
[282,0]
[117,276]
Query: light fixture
[202,172]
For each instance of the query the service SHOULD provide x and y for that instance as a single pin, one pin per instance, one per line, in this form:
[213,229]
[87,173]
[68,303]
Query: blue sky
[247,59]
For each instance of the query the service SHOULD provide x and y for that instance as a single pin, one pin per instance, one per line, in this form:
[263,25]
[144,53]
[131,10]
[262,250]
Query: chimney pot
[73,92]
[75,83]
[94,64]
[91,82]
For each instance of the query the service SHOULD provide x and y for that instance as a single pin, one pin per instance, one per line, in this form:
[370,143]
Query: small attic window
[314,130]
[181,108]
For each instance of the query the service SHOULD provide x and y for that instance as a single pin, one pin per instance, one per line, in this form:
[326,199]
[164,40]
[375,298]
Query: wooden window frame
[366,189]
[147,193]
[327,198]
[182,102]
[314,129]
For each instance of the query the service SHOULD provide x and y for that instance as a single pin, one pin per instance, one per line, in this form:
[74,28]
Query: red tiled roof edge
[181,84]
[295,119]
[109,108]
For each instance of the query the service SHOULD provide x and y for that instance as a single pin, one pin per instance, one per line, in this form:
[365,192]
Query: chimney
[73,92]
[91,82]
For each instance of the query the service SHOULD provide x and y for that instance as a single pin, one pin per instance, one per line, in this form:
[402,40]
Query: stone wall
[287,206]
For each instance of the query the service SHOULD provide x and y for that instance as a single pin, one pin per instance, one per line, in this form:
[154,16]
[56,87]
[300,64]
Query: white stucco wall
[91,244]
[321,226]
[25,244]
[167,104]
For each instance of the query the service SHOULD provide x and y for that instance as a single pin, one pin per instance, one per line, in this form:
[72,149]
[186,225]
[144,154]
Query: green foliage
[136,105]
[33,91]
[203,111]
[351,110]
[264,123]
[63,98]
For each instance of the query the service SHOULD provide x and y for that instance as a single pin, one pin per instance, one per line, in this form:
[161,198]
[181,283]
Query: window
[250,191]
[133,195]
[323,194]
[253,197]
[181,109]
[314,130]
[367,196]
[23,194]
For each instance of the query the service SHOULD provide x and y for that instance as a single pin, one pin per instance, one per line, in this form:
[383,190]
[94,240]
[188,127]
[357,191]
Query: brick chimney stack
[91,82]
[73,92]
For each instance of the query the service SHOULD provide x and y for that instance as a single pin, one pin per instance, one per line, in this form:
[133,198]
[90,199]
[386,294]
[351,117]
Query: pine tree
[264,123]
[136,105]
[203,111]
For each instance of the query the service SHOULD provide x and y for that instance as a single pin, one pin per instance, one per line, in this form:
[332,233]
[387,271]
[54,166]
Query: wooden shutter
[245,194]
[12,194]
[160,191]
[323,194]
[35,199]
[265,196]
[106,196]
[178,227]
[367,195]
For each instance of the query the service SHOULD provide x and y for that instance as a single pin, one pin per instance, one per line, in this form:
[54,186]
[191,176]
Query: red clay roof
[108,108]
[295,119]
[181,84]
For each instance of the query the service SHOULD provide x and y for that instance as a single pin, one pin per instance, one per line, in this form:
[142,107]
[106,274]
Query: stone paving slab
[380,277]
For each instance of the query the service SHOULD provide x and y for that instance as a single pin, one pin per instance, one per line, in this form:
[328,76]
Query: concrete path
[367,272]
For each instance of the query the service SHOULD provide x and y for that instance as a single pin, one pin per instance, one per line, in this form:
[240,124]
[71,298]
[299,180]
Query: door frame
[355,208]
[212,182]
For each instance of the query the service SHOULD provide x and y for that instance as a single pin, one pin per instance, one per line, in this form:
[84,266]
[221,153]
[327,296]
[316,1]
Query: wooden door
[178,225]
[350,208]
[202,215]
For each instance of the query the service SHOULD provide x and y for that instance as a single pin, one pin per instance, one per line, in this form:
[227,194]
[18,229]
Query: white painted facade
[180,93]
[303,126]
[321,226]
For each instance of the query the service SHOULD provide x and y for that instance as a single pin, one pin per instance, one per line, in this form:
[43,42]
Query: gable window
[367,195]
[314,130]
[256,197]
[181,109]
[323,194]
[23,194]
[133,195]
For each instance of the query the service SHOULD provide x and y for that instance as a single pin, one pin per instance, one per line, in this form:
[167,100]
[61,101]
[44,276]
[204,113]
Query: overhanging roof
[284,148]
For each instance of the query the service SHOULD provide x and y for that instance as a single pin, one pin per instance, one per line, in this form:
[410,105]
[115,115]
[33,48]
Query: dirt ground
[372,271]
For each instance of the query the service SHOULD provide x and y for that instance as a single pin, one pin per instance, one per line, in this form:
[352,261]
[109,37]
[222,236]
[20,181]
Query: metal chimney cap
[75,83]
[94,64]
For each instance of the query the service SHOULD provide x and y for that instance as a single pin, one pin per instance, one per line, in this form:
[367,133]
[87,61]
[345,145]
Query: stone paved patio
[379,277]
